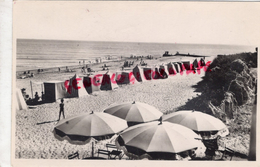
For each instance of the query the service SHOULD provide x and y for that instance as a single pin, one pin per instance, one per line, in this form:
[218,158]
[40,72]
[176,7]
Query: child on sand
[61,109]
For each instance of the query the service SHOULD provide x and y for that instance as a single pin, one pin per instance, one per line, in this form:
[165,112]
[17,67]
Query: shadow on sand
[46,122]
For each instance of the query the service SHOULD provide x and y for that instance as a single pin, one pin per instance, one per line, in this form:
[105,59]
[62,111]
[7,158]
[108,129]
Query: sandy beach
[34,137]
[33,134]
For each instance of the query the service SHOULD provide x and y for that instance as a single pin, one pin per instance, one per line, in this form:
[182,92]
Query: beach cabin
[54,90]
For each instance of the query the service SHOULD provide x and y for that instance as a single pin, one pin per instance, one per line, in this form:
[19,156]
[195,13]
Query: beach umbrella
[159,137]
[195,120]
[134,112]
[81,128]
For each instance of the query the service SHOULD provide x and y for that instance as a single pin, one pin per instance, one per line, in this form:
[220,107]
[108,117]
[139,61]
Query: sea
[34,54]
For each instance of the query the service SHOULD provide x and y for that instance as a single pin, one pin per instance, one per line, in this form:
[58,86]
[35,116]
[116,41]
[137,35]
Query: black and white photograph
[129,81]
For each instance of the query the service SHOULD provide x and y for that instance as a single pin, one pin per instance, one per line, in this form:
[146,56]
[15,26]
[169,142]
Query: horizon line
[133,42]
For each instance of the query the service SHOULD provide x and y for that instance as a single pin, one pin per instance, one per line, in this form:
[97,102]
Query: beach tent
[139,74]
[186,64]
[20,102]
[177,67]
[172,69]
[147,73]
[159,74]
[195,64]
[75,88]
[164,68]
[54,90]
[108,82]
[125,77]
[92,83]
[202,62]
[182,67]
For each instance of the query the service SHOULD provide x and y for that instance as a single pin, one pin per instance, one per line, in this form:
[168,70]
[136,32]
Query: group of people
[34,100]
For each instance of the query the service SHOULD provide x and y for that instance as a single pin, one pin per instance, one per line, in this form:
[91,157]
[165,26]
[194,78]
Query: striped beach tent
[186,64]
[125,77]
[172,68]
[92,83]
[139,74]
[164,68]
[195,64]
[75,88]
[108,81]
[20,102]
[159,74]
[148,73]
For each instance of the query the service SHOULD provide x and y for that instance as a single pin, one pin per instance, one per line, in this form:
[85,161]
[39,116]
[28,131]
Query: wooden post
[31,88]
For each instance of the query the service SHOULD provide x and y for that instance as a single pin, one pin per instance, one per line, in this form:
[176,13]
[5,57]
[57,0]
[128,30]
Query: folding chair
[74,155]
[104,152]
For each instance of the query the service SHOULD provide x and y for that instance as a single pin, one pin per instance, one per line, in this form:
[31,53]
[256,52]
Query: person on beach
[61,109]
[59,69]
[43,97]
[36,97]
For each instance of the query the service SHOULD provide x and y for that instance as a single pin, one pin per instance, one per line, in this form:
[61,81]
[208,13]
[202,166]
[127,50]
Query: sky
[163,22]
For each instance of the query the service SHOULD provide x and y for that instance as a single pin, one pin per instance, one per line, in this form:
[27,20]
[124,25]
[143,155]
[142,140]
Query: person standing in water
[61,109]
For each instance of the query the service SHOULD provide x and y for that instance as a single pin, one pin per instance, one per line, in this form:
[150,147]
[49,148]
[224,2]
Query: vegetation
[235,74]
[218,79]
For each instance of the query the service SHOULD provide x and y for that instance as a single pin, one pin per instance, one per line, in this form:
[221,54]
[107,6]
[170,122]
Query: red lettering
[119,76]
[105,79]
[155,75]
[181,69]
[191,70]
[147,74]
[75,83]
[131,78]
[207,66]
[96,80]
[67,86]
[113,78]
[138,76]
[172,71]
[199,67]
[87,82]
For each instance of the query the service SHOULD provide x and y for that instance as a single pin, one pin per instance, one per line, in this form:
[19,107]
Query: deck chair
[115,152]
[74,155]
[229,152]
[104,152]
[111,146]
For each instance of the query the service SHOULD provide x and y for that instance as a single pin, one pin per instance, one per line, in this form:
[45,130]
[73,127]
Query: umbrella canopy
[195,120]
[134,112]
[160,137]
[79,129]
